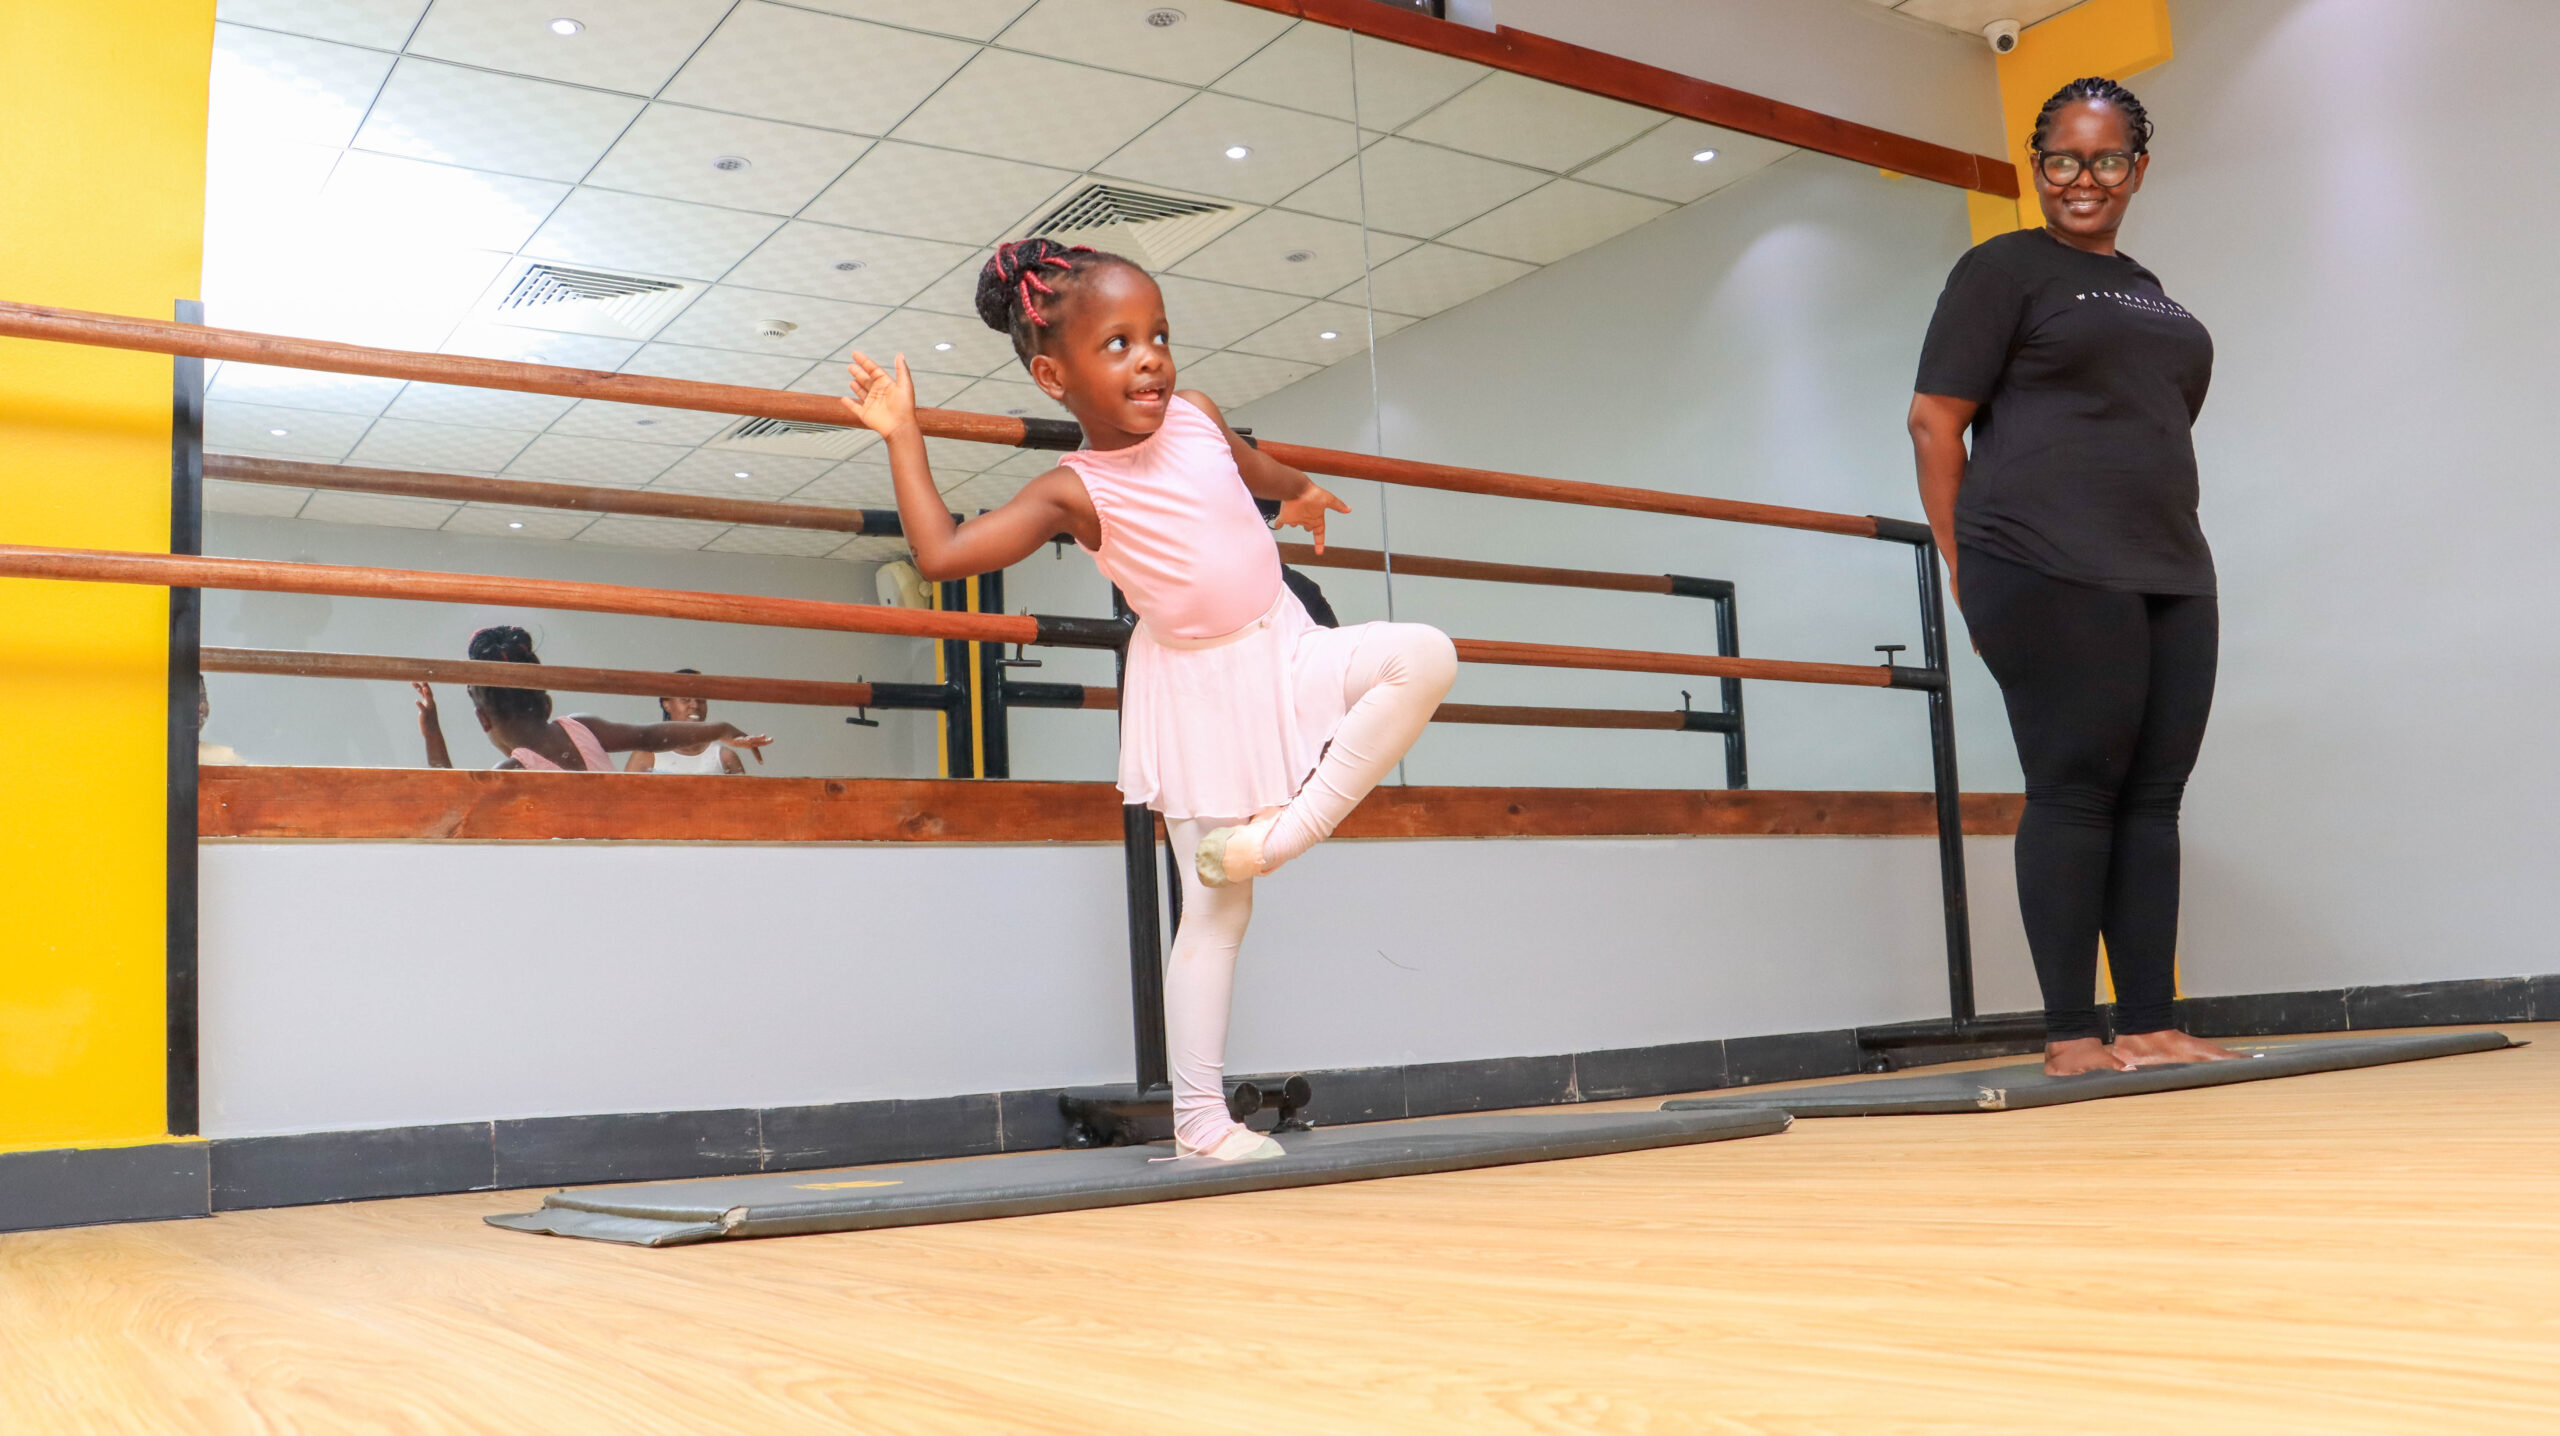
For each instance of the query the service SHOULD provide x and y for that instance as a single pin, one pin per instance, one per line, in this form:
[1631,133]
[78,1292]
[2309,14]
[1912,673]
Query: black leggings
[2107,694]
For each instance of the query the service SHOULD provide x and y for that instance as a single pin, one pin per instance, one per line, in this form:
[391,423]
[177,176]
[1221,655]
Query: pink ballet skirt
[1226,727]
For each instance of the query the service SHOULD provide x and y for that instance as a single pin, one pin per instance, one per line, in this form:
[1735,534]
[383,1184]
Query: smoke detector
[1165,18]
[774,328]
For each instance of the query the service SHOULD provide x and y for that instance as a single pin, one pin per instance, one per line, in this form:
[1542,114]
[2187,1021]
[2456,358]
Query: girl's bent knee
[1430,659]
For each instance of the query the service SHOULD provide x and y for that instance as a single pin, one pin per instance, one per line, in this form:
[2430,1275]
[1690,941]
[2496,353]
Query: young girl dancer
[1253,731]
[519,722]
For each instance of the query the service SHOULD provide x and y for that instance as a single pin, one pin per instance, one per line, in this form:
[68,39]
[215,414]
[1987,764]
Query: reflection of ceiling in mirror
[744,193]
[1971,16]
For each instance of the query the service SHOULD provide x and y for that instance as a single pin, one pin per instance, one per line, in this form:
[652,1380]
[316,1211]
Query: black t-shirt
[2089,378]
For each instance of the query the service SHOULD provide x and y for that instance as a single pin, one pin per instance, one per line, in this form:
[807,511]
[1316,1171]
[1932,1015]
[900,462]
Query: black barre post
[1950,796]
[1146,936]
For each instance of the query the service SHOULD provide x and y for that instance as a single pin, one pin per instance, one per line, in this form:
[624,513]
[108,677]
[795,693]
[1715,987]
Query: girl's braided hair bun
[507,643]
[1019,288]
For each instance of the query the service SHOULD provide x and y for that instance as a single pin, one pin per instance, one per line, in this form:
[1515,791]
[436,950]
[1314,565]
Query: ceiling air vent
[1153,227]
[795,437]
[589,301]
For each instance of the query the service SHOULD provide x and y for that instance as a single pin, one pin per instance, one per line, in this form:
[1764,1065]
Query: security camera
[2003,35]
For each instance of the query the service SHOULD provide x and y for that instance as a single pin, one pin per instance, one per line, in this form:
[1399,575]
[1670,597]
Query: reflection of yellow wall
[2114,38]
[103,106]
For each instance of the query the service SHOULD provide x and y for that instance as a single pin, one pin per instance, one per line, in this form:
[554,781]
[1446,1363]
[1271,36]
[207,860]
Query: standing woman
[2071,539]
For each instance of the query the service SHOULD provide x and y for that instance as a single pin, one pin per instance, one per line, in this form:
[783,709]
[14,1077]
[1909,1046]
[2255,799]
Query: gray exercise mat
[2006,1089]
[776,1204]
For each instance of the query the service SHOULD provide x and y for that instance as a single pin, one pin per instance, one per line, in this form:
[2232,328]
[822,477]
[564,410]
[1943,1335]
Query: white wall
[2354,196]
[389,984]
[1758,345]
[338,722]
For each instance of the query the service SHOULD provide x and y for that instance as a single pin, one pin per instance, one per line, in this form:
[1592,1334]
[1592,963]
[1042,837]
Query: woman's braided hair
[2137,120]
[1021,274]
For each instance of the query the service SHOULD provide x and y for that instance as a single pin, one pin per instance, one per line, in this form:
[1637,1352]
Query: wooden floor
[2356,1252]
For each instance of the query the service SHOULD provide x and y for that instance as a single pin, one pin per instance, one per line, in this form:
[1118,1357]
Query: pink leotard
[591,751]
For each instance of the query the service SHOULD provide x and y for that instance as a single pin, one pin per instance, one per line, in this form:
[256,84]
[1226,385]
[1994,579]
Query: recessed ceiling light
[848,266]
[1299,256]
[731,164]
[1237,152]
[279,433]
[942,348]
[1329,334]
[1703,156]
[515,523]
[740,474]
[566,26]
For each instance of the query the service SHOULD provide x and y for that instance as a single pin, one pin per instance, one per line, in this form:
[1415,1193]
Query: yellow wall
[102,110]
[2114,38]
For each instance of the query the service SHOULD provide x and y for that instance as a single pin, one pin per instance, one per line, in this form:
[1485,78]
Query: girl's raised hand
[750,743]
[426,701]
[1307,511]
[882,401]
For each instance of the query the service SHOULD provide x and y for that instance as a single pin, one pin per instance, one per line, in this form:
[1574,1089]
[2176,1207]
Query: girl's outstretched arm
[884,401]
[667,737]
[1303,502]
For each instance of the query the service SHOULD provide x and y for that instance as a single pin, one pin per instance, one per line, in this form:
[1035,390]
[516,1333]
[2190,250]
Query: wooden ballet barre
[1070,695]
[161,336]
[529,493]
[184,571]
[1406,565]
[551,677]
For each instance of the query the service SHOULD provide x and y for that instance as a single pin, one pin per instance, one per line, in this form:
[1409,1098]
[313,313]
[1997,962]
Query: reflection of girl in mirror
[1253,731]
[519,722]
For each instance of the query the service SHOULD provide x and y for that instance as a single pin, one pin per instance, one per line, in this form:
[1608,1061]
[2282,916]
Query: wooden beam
[549,677]
[431,803]
[1705,665]
[1598,72]
[1415,565]
[464,488]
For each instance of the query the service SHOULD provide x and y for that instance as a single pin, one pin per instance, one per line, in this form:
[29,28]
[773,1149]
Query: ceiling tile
[1007,396]
[442,448]
[330,506]
[222,496]
[285,87]
[1211,39]
[726,316]
[871,550]
[1217,315]
[1185,354]
[1006,104]
[382,24]
[564,458]
[671,151]
[1309,69]
[1433,278]
[973,19]
[1414,188]
[716,471]
[933,391]
[638,531]
[716,366]
[1661,162]
[986,491]
[1256,253]
[1530,122]
[641,423]
[516,521]
[479,408]
[1563,218]
[952,458]
[302,389]
[485,121]
[789,64]
[1187,149]
[307,433]
[374,200]
[937,194]
[1301,335]
[802,258]
[337,292]
[1233,378]
[972,348]
[1970,16]
[956,292]
[780,543]
[539,346]
[657,236]
[629,45]
[851,485]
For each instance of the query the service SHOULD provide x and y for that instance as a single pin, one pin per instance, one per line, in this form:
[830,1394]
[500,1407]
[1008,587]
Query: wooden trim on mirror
[1598,72]
[414,804]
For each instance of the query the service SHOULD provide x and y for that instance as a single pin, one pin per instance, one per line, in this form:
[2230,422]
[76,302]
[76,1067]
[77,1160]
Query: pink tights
[1396,678]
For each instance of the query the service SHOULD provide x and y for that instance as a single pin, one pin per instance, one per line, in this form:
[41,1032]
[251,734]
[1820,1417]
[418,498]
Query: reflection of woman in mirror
[1250,728]
[2071,539]
[519,722]
[705,758]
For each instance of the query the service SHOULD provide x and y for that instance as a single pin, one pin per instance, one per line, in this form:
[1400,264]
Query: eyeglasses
[2108,170]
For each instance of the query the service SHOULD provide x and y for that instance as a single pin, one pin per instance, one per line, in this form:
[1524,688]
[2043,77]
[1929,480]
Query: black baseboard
[82,1186]
[231,1174]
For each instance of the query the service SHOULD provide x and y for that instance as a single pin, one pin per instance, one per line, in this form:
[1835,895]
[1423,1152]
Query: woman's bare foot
[2082,1054]
[2168,1048]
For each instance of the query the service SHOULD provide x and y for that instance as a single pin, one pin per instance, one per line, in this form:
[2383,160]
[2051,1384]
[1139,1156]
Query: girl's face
[683,710]
[1109,358]
[2089,131]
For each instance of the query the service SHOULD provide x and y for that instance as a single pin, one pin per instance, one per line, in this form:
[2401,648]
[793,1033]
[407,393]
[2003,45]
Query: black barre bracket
[1127,1115]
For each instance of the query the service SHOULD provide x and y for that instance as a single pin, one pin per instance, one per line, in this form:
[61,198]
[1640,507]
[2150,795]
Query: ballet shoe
[1240,1145]
[1234,855]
